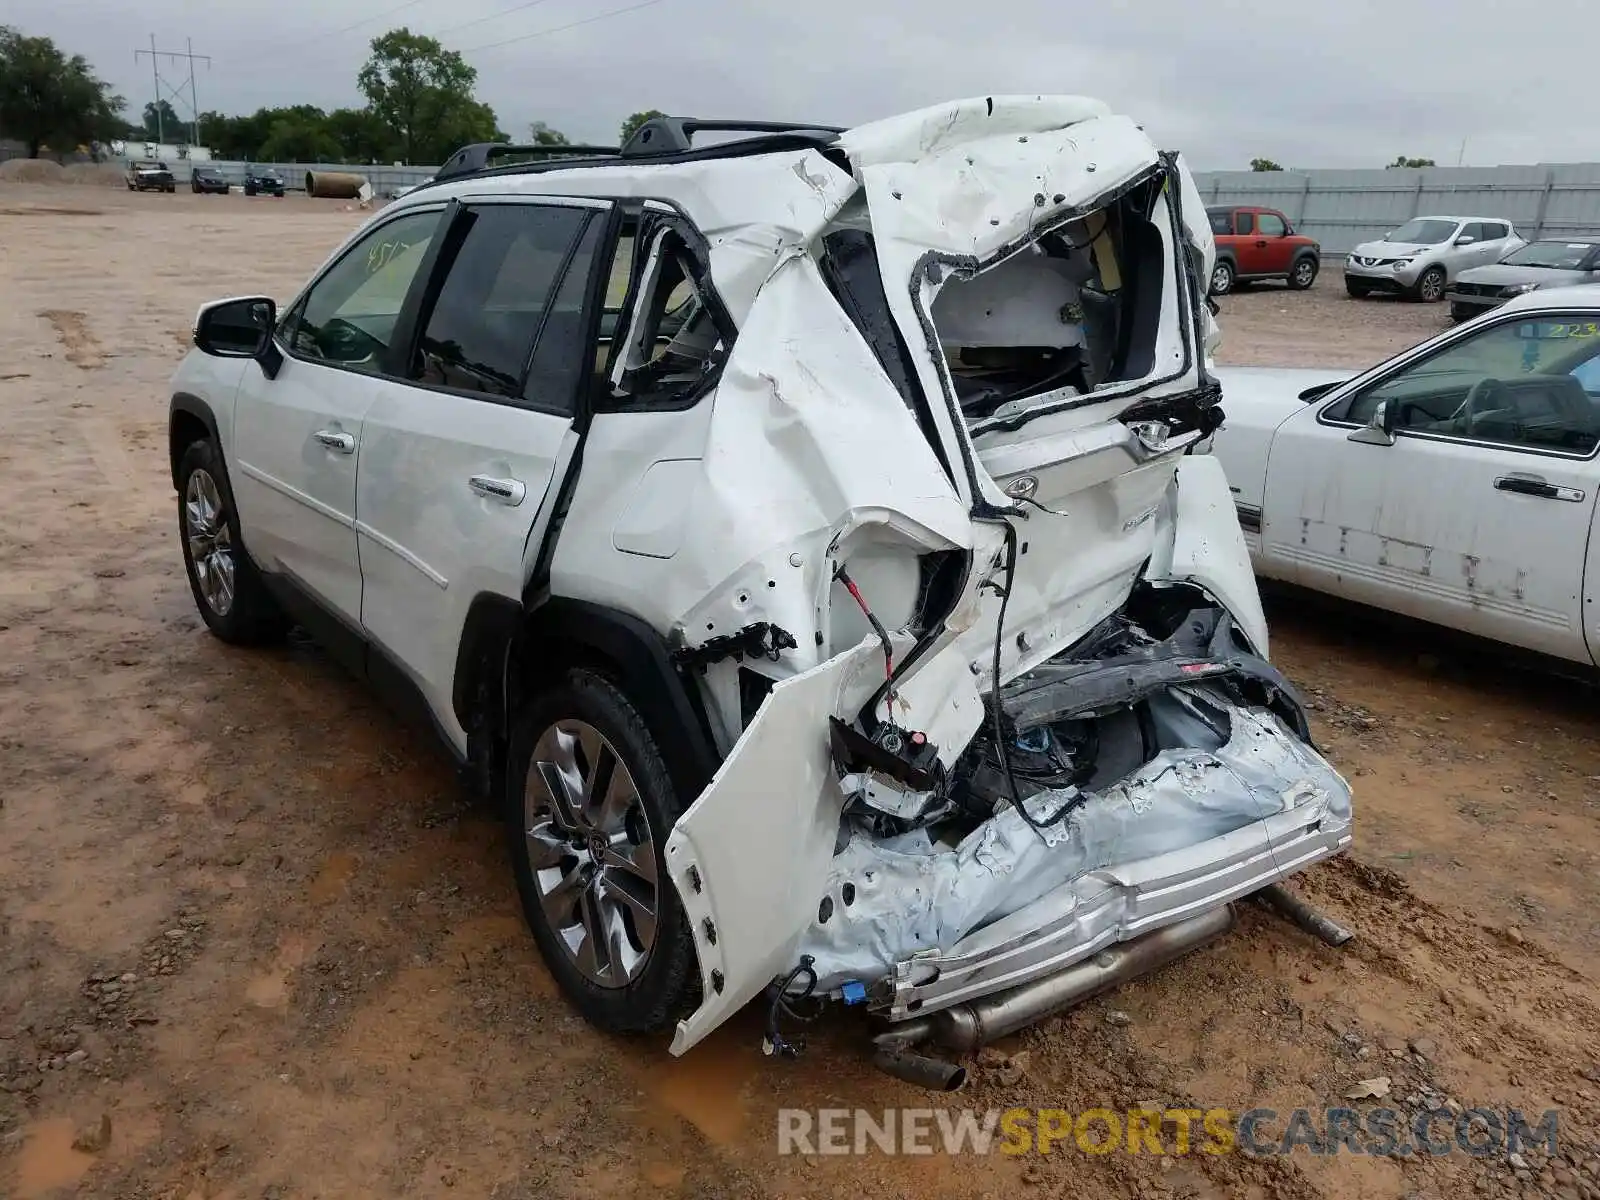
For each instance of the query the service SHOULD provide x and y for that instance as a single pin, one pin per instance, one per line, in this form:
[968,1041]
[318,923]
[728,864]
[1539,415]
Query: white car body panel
[429,543]
[297,496]
[1418,527]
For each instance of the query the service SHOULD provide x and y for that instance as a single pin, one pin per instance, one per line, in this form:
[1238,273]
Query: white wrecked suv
[701,495]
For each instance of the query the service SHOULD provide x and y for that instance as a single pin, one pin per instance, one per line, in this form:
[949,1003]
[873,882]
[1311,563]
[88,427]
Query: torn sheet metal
[906,899]
[747,856]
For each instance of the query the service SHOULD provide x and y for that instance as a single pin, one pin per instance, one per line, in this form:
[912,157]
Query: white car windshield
[1564,256]
[1423,231]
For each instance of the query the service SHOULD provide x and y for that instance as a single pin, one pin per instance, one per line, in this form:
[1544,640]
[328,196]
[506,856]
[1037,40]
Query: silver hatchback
[1424,256]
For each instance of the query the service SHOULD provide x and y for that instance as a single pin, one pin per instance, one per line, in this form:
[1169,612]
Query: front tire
[228,591]
[1302,274]
[1461,313]
[1358,288]
[589,807]
[1430,285]
[1222,277]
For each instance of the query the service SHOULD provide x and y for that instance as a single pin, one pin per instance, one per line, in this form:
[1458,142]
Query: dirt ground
[254,946]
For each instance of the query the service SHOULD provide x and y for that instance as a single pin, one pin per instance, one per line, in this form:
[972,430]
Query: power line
[274,47]
[494,16]
[616,12]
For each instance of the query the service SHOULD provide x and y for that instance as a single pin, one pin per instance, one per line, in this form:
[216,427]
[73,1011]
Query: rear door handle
[506,491]
[344,443]
[1536,485]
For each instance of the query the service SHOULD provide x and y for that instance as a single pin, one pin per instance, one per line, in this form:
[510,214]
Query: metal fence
[1342,209]
[384,180]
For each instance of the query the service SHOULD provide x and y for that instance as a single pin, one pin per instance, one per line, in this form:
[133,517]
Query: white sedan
[1454,483]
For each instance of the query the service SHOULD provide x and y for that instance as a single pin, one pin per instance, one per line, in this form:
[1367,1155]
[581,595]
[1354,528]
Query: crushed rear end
[1026,741]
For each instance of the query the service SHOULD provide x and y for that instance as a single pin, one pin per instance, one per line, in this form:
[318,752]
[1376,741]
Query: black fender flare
[503,642]
[186,414]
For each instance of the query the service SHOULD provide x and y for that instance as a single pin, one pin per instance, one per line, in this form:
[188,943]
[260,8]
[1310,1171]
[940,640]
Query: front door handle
[344,443]
[1536,485]
[506,491]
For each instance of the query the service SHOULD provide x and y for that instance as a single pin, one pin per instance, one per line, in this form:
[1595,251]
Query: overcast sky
[1330,84]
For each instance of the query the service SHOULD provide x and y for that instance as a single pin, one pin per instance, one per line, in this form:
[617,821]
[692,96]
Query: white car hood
[1382,249]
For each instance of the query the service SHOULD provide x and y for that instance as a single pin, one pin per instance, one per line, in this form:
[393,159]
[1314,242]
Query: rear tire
[1430,285]
[1222,277]
[1302,274]
[583,866]
[227,588]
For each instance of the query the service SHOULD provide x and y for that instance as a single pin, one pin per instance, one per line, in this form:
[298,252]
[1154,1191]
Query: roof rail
[673,135]
[470,159]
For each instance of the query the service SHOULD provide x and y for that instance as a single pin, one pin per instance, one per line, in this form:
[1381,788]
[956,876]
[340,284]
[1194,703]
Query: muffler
[966,1027]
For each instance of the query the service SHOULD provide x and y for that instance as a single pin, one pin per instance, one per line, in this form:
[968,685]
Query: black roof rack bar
[674,135]
[470,159]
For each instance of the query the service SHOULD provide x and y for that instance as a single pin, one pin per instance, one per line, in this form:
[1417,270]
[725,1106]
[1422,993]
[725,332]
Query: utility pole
[192,102]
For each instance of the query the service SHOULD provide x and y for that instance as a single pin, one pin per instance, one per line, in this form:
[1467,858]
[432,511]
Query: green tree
[362,135]
[164,123]
[47,97]
[541,134]
[423,94]
[1264,164]
[631,125]
[1403,161]
[302,140]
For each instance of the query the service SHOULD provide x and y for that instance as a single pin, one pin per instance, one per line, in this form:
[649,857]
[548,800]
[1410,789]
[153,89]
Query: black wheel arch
[189,419]
[508,648]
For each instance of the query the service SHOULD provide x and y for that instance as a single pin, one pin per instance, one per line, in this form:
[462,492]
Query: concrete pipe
[335,185]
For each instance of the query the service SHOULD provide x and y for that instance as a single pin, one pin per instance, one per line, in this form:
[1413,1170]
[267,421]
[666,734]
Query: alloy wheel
[210,541]
[1304,273]
[592,853]
[1431,288]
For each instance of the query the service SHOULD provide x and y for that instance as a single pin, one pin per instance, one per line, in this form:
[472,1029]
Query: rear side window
[1272,225]
[1221,220]
[1245,222]
[479,331]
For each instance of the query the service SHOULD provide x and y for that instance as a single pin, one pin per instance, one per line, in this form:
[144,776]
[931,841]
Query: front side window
[347,319]
[1272,225]
[1526,383]
[478,332]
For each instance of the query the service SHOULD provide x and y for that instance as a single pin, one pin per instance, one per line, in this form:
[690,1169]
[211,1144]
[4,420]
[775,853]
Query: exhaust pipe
[966,1027]
[934,1073]
[1296,910]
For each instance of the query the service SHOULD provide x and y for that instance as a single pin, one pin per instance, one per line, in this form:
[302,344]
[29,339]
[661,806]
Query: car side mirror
[241,327]
[1379,429]
[1466,239]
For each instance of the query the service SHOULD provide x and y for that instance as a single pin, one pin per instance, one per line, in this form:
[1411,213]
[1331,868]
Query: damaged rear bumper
[1116,905]
[925,927]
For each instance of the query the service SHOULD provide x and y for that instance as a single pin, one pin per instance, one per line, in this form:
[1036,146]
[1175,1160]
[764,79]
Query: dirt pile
[32,170]
[94,175]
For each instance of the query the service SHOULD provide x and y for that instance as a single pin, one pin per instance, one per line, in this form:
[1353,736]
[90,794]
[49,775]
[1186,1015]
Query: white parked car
[699,497]
[1454,483]
[1424,256]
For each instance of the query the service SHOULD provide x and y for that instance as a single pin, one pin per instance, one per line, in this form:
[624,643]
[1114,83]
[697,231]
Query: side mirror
[1466,239]
[240,328]
[1379,430]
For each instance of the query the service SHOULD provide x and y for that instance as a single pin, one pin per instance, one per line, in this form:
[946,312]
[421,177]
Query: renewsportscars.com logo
[1383,1132]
